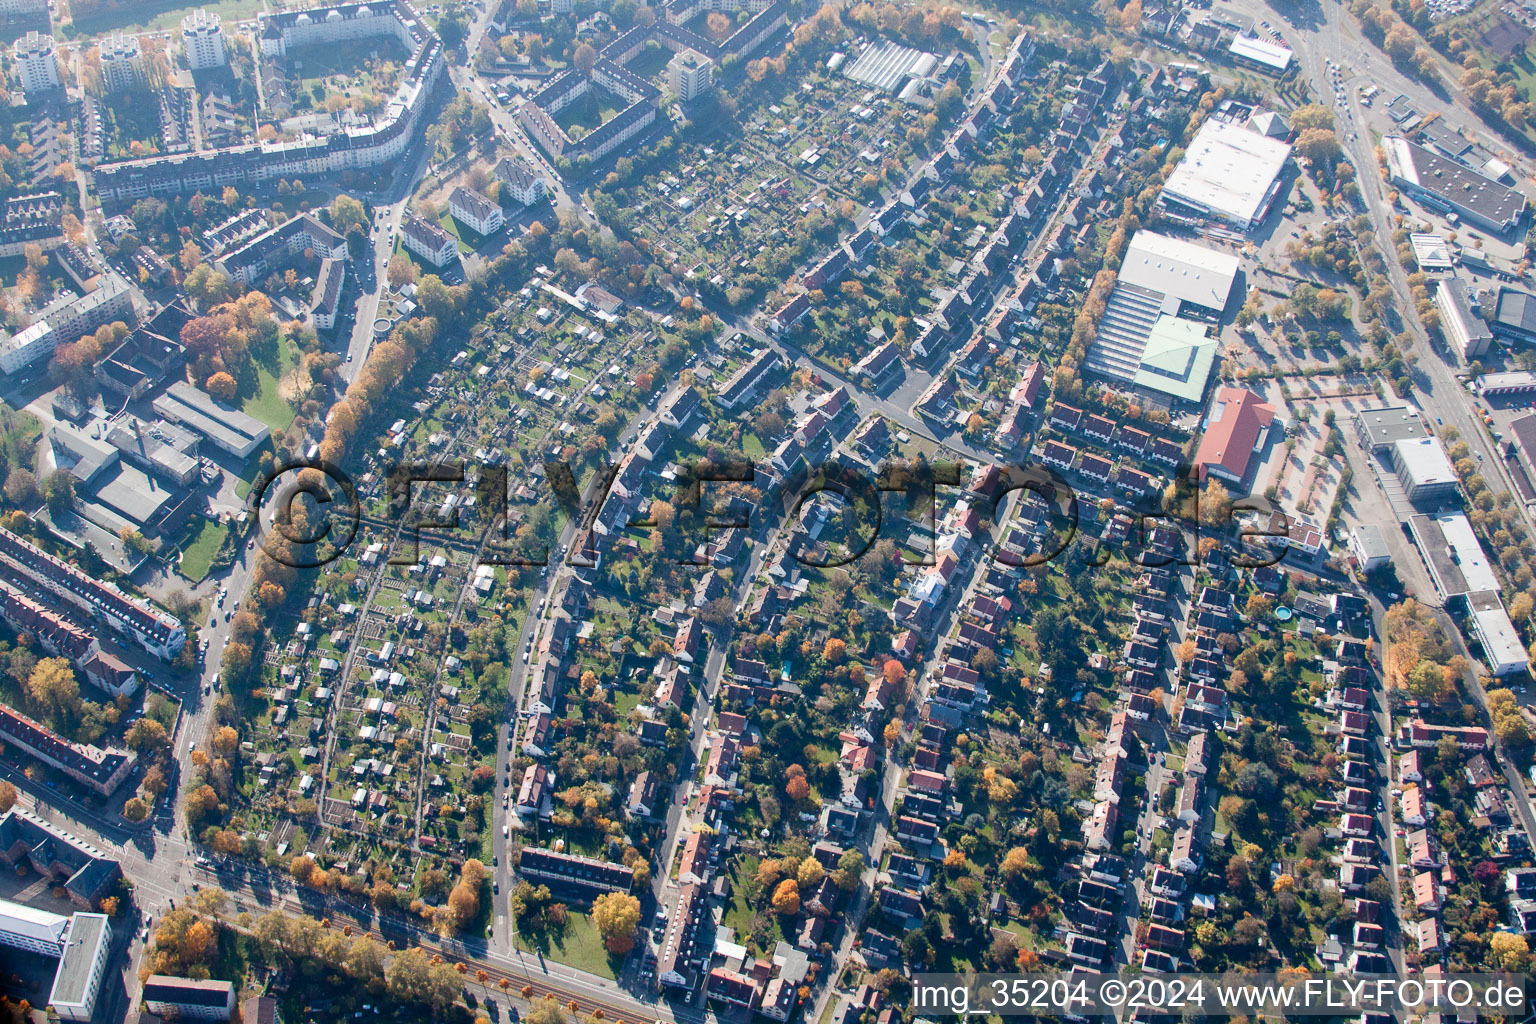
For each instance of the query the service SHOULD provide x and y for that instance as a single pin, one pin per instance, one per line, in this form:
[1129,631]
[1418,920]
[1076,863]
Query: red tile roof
[1238,418]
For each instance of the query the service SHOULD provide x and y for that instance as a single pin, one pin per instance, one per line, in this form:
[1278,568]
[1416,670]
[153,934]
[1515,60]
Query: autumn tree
[53,685]
[1015,862]
[617,916]
[222,386]
[786,898]
[401,270]
[7,796]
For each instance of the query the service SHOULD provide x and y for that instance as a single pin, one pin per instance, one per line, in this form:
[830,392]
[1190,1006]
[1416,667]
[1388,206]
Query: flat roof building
[33,930]
[1490,626]
[202,37]
[1452,188]
[1514,315]
[36,62]
[1153,334]
[1451,551]
[1368,544]
[81,967]
[1194,279]
[1509,382]
[1383,428]
[690,75]
[1465,329]
[1260,54]
[185,999]
[1228,174]
[229,429]
[1425,470]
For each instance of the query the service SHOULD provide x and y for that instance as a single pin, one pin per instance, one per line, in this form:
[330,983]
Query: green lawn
[470,240]
[159,15]
[19,431]
[205,537]
[738,916]
[265,402]
[578,946]
[592,109]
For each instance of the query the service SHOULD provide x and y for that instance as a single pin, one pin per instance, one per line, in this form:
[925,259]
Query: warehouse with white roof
[1155,334]
[1228,174]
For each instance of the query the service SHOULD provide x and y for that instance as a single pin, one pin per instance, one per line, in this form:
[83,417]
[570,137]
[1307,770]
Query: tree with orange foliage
[786,898]
[797,788]
[222,386]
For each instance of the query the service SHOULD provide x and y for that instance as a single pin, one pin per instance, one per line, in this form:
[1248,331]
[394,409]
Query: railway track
[577,1001]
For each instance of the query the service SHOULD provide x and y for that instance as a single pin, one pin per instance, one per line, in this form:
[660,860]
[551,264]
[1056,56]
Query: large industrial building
[1154,335]
[228,429]
[1228,174]
[1466,583]
[1452,188]
[112,492]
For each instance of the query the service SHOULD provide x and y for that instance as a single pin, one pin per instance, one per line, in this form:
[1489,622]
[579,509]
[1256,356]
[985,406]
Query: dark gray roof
[1516,311]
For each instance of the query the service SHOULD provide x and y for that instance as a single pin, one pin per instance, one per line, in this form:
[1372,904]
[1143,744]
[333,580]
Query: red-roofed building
[1237,427]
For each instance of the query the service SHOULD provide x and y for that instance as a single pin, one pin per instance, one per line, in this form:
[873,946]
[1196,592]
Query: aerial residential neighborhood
[704,510]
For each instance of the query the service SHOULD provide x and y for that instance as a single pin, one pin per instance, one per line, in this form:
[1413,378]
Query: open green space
[576,945]
[204,539]
[264,400]
[19,431]
[156,15]
[649,62]
[469,239]
[589,111]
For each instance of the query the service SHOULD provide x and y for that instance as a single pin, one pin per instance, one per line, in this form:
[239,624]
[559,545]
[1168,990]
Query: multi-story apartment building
[157,632]
[36,63]
[202,37]
[122,63]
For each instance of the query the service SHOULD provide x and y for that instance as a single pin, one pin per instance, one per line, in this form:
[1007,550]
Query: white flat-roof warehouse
[1229,174]
[1153,335]
[1451,187]
[1182,271]
[1258,53]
